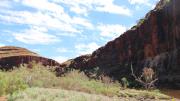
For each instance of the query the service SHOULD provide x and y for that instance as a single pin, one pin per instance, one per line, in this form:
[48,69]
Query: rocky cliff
[153,42]
[13,56]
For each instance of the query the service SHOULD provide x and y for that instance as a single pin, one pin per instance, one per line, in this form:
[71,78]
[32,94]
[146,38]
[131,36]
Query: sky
[65,29]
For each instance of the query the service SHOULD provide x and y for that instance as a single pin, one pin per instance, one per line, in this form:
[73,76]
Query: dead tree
[147,78]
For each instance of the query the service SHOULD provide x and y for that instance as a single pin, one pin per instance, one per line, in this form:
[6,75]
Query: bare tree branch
[147,77]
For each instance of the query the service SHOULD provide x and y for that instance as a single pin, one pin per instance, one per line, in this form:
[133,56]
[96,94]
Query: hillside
[153,42]
[14,56]
[10,51]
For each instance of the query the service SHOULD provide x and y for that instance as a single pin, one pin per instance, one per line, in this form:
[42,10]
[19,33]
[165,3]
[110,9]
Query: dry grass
[42,94]
[80,82]
[46,94]
[43,77]
[40,76]
[151,94]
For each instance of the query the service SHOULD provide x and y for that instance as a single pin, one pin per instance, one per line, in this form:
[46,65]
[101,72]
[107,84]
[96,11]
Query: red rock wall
[9,62]
[155,43]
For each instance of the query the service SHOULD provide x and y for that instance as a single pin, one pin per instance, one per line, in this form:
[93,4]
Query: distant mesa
[14,56]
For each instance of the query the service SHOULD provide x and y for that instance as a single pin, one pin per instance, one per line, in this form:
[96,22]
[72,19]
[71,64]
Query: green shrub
[37,76]
[140,21]
[43,77]
[2,84]
[15,84]
[167,1]
[125,82]
[78,81]
[10,83]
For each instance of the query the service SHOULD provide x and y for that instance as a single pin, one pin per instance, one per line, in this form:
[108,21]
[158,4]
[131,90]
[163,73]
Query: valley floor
[41,84]
[47,94]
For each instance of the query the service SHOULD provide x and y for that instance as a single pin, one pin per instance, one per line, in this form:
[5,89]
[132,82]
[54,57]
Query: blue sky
[64,29]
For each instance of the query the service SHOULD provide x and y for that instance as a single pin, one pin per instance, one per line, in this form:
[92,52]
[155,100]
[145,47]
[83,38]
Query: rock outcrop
[153,42]
[14,56]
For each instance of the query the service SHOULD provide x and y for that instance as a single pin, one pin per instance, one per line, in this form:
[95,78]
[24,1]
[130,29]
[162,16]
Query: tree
[147,78]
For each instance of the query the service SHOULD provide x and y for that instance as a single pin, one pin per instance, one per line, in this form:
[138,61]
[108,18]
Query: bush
[10,83]
[36,75]
[125,82]
[2,84]
[147,78]
[40,76]
[139,22]
[43,77]
[78,81]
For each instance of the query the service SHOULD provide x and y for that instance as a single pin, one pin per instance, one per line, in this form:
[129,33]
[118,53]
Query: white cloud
[79,10]
[57,12]
[83,49]
[49,15]
[81,21]
[109,7]
[140,2]
[44,5]
[5,4]
[84,6]
[35,36]
[111,31]
[37,19]
[60,59]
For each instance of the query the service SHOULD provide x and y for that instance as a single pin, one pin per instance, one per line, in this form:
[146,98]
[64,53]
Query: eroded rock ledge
[14,56]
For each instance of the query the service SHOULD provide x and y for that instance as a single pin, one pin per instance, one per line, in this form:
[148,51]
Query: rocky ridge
[14,56]
[153,42]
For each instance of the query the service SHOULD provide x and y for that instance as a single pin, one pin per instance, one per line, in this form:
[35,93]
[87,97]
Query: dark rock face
[14,56]
[155,42]
[78,62]
[9,62]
